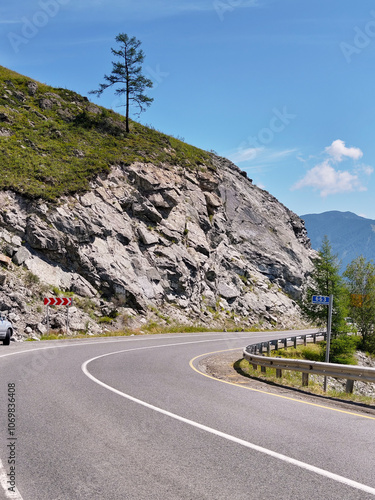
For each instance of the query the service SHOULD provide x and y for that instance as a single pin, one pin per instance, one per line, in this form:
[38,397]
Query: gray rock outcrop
[201,246]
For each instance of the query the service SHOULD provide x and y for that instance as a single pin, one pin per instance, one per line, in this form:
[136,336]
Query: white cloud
[277,155]
[327,180]
[337,150]
[245,154]
[261,154]
[365,169]
[260,185]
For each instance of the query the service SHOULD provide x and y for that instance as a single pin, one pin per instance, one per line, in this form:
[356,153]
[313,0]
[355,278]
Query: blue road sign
[320,299]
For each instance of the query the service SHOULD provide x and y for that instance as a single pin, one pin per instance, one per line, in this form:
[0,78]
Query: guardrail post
[314,338]
[325,369]
[268,348]
[295,342]
[285,343]
[276,345]
[263,369]
[261,348]
[305,379]
[304,339]
[349,386]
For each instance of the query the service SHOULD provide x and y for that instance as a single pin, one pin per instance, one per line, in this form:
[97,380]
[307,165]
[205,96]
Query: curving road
[129,418]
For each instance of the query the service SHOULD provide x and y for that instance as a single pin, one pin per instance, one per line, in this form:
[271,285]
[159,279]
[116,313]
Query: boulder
[213,200]
[21,256]
[227,291]
[32,88]
[45,104]
[147,237]
[5,260]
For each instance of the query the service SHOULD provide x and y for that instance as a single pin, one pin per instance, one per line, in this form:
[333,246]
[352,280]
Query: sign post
[67,316]
[327,301]
[47,319]
[59,301]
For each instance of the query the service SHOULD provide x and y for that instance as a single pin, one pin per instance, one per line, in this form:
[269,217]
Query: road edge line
[279,456]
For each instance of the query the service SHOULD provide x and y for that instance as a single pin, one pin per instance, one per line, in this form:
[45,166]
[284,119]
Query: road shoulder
[220,366]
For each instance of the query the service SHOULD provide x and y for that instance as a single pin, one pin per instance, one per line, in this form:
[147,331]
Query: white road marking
[279,456]
[3,473]
[245,335]
[125,339]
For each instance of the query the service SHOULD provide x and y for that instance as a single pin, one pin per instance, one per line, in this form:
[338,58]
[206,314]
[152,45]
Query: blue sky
[284,88]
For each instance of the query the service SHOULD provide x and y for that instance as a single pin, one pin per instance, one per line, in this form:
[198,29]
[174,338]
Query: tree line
[353,296]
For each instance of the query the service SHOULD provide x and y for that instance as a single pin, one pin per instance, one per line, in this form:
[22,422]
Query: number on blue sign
[320,299]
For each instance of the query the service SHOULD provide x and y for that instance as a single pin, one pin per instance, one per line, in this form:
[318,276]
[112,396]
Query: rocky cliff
[153,241]
[197,246]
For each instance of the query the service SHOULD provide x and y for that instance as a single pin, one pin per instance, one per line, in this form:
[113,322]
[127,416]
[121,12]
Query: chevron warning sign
[58,301]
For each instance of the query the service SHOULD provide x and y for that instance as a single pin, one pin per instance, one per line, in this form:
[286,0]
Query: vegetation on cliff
[53,140]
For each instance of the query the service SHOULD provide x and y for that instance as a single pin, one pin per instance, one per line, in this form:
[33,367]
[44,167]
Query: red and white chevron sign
[58,301]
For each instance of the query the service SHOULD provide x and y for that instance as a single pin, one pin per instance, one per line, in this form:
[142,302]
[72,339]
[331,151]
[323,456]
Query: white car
[6,330]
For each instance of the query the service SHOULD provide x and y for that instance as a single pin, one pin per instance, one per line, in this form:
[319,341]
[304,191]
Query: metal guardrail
[254,354]
[285,342]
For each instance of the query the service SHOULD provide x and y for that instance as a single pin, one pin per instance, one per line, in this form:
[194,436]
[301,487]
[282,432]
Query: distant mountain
[348,234]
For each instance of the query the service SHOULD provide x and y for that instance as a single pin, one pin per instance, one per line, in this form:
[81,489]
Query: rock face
[200,246]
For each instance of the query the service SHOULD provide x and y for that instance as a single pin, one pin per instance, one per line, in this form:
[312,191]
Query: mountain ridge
[349,234]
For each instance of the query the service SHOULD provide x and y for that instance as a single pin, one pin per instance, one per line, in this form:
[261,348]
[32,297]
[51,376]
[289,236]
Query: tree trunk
[127,113]
[127,88]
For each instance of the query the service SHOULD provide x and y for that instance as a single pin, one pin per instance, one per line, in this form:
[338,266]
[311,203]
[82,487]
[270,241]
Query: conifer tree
[326,280]
[360,275]
[127,72]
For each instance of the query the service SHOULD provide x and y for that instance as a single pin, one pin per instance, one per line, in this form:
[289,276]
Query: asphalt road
[129,418]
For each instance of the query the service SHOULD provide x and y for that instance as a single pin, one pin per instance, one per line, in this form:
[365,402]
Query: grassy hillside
[53,141]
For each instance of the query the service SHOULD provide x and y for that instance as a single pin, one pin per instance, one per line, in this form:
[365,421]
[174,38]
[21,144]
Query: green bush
[105,320]
[310,353]
[31,279]
[342,349]
[368,345]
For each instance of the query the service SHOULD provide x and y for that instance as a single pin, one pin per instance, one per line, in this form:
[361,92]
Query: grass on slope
[293,379]
[53,141]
